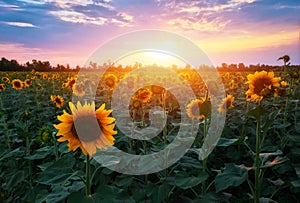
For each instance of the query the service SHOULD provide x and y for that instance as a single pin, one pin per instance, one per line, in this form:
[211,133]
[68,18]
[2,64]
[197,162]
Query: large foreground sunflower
[86,128]
[261,84]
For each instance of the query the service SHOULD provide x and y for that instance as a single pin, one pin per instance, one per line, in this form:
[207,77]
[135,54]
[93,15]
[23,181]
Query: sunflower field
[44,158]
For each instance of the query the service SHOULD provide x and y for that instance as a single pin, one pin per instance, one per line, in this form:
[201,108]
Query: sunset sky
[231,31]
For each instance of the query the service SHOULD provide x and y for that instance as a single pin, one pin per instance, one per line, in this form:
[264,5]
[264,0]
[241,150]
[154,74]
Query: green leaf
[232,175]
[225,142]
[40,153]
[78,197]
[161,193]
[185,180]
[57,197]
[14,153]
[256,112]
[15,179]
[58,172]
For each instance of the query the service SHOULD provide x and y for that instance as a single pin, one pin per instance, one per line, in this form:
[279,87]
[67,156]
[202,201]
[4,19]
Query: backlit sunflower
[261,84]
[198,108]
[144,95]
[2,87]
[27,83]
[226,103]
[110,81]
[5,79]
[17,84]
[58,100]
[86,128]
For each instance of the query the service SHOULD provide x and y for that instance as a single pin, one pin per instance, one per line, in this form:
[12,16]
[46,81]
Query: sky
[228,31]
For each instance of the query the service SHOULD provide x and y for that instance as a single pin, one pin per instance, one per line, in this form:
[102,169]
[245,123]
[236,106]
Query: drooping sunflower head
[2,87]
[58,100]
[261,84]
[144,95]
[226,103]
[86,128]
[198,108]
[17,84]
[110,81]
[5,79]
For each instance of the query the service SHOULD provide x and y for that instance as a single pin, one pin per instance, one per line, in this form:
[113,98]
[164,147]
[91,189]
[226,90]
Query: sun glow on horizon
[151,58]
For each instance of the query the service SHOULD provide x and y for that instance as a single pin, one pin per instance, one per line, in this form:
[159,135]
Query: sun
[151,58]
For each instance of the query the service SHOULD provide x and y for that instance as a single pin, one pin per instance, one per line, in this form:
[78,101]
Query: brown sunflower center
[86,128]
[58,100]
[260,84]
[17,84]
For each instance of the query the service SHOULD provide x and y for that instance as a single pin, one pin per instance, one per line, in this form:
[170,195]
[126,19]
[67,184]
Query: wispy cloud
[77,17]
[19,24]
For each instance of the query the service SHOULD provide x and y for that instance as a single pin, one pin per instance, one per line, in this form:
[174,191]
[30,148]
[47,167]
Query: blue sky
[231,31]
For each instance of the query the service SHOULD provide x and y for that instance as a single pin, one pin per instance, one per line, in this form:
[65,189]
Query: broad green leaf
[14,153]
[185,180]
[225,142]
[58,172]
[41,153]
[231,176]
[57,197]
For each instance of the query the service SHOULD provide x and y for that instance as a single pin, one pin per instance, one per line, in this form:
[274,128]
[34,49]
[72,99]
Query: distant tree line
[42,66]
[45,66]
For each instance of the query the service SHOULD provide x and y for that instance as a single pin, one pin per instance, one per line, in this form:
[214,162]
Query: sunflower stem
[256,160]
[204,161]
[88,176]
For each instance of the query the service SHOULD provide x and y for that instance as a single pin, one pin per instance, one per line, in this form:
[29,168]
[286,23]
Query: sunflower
[45,76]
[78,90]
[2,87]
[231,84]
[110,81]
[5,79]
[87,135]
[185,76]
[17,84]
[136,104]
[261,84]
[27,83]
[144,95]
[226,103]
[198,108]
[282,90]
[70,83]
[58,100]
[54,77]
